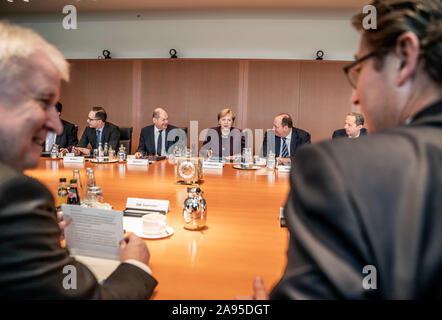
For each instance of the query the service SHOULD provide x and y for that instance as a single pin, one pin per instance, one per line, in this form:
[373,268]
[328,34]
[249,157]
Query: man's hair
[225,112]
[286,120]
[359,118]
[16,45]
[394,17]
[58,106]
[157,112]
[100,113]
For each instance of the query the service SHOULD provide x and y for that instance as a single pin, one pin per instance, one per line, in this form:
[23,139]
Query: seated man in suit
[153,138]
[67,139]
[287,138]
[32,262]
[98,130]
[353,127]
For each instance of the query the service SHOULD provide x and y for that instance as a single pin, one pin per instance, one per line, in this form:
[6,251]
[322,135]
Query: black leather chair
[126,138]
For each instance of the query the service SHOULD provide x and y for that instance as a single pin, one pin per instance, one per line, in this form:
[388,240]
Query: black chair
[126,138]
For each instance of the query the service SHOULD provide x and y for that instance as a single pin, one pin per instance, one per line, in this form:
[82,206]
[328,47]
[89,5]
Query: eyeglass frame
[355,63]
[92,119]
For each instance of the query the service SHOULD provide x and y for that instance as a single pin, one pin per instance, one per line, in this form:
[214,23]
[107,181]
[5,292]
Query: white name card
[73,159]
[138,162]
[283,168]
[212,165]
[139,207]
[70,154]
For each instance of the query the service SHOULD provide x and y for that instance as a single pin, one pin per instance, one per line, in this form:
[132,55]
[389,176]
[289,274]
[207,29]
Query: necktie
[160,143]
[285,151]
[98,137]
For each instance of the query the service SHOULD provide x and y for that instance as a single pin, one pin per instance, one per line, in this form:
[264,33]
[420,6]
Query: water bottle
[271,160]
[76,176]
[106,150]
[100,150]
[54,151]
[121,154]
[90,178]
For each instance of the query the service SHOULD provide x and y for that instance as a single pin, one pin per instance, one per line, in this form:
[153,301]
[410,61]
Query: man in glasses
[98,130]
[371,227]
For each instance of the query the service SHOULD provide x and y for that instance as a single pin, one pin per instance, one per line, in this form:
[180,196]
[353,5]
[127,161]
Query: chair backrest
[126,138]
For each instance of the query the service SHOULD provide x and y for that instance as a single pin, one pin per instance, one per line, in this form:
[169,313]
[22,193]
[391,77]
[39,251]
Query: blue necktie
[285,151]
[160,142]
[98,137]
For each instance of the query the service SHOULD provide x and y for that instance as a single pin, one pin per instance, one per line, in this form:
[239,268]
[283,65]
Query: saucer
[238,166]
[169,231]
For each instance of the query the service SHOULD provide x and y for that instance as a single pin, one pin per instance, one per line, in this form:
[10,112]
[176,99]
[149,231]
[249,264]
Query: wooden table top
[243,238]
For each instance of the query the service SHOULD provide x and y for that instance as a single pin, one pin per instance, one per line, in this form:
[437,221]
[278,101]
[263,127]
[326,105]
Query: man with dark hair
[32,262]
[153,138]
[98,130]
[286,138]
[67,139]
[370,228]
[353,127]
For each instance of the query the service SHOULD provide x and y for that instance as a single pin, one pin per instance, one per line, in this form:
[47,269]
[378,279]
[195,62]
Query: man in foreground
[370,227]
[31,258]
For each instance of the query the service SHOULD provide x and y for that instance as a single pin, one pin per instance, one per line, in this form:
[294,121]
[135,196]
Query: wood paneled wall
[315,93]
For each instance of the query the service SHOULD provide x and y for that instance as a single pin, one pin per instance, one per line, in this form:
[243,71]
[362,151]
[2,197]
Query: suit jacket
[147,146]
[31,258]
[383,209]
[110,134]
[69,136]
[235,147]
[299,137]
[341,133]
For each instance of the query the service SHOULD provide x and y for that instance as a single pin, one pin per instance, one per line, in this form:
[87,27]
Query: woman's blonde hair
[225,112]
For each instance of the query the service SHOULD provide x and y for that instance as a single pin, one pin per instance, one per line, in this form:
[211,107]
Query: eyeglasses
[352,73]
[89,119]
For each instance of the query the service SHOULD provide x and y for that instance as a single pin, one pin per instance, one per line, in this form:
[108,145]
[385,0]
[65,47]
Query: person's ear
[407,51]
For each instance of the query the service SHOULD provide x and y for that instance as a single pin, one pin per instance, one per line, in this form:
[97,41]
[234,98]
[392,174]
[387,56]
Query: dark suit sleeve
[35,266]
[114,139]
[84,140]
[335,135]
[72,139]
[326,246]
[142,143]
[306,138]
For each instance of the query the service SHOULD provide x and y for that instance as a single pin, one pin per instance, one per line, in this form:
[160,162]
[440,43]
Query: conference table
[243,237]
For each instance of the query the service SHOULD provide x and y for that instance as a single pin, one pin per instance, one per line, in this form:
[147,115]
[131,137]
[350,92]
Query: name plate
[283,168]
[139,207]
[73,159]
[138,162]
[70,154]
[212,165]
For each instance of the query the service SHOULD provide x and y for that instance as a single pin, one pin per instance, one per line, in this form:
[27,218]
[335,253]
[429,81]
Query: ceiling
[53,6]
